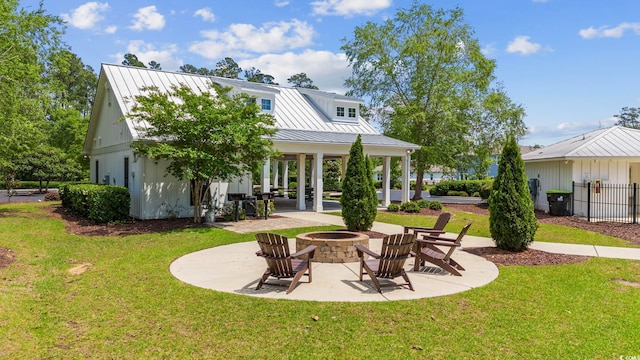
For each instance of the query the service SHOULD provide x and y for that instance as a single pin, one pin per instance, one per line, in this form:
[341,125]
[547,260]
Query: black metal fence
[598,201]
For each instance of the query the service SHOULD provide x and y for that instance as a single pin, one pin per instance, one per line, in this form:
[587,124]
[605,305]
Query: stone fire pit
[333,246]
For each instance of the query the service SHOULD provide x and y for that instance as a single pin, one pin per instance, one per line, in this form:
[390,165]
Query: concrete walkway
[235,268]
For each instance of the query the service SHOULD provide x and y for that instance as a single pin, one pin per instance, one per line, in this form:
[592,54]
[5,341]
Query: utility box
[559,202]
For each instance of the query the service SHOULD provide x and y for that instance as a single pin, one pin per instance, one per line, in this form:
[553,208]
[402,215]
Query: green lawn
[128,306]
[545,233]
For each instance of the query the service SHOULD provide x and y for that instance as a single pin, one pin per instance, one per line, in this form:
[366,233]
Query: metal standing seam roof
[293,109]
[290,135]
[616,141]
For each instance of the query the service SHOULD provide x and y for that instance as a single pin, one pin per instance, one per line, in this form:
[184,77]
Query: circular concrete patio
[236,269]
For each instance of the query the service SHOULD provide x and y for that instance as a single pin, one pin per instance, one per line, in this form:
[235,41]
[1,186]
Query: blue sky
[572,64]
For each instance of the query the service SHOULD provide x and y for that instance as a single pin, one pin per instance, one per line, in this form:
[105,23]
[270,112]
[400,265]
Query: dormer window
[265,104]
[340,111]
[352,112]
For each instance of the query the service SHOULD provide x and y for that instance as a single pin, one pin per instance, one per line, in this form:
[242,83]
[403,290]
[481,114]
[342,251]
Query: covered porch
[310,149]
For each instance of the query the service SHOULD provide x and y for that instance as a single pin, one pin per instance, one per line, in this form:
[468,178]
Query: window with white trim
[340,111]
[265,104]
[352,112]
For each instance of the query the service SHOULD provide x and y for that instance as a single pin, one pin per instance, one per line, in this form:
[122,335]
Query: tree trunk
[196,196]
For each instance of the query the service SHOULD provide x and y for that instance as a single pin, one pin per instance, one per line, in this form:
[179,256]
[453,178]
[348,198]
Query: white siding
[552,175]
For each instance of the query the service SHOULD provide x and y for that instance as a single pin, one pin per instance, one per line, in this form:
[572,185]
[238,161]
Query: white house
[312,126]
[603,156]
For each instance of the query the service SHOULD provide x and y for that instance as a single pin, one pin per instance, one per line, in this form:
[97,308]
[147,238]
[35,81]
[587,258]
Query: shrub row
[100,203]
[481,188]
[415,206]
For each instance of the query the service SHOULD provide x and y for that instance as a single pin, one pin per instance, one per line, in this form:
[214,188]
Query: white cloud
[604,32]
[348,8]
[206,14]
[523,46]
[489,50]
[86,16]
[148,18]
[281,3]
[111,29]
[547,135]
[145,52]
[327,70]
[244,39]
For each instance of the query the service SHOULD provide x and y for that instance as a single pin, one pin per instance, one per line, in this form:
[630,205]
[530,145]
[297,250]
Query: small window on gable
[352,112]
[340,111]
[265,104]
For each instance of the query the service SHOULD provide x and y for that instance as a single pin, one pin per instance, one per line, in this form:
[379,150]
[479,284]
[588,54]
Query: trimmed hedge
[100,203]
[410,207]
[393,207]
[458,187]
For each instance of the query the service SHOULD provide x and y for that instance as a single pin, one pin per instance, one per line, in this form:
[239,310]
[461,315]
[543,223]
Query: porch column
[300,205]
[285,178]
[317,189]
[405,161]
[266,185]
[275,173]
[312,176]
[386,181]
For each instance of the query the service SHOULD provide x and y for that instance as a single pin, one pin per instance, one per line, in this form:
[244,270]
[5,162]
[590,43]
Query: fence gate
[606,202]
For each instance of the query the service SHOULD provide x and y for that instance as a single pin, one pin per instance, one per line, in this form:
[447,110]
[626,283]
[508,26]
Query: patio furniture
[281,264]
[389,264]
[438,227]
[427,250]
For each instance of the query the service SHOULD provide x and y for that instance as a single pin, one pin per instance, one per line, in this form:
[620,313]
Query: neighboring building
[604,156]
[312,126]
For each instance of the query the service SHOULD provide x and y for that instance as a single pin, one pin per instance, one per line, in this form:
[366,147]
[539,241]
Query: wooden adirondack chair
[274,249]
[389,264]
[438,227]
[428,251]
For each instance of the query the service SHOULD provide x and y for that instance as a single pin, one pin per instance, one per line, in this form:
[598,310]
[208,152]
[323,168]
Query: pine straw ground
[530,257]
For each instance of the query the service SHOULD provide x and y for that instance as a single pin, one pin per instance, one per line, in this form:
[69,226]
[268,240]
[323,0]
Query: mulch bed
[631,232]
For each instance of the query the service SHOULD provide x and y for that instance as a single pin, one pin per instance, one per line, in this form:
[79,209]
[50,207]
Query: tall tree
[255,75]
[425,74]
[154,65]
[73,84]
[208,136]
[512,221]
[188,68]
[132,60]
[227,68]
[301,80]
[629,117]
[358,210]
[27,40]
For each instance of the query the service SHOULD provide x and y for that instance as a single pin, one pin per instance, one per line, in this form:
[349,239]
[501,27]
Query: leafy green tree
[227,68]
[358,211]
[73,84]
[27,40]
[255,75]
[66,130]
[301,80]
[425,75]
[628,117]
[132,60]
[44,164]
[188,68]
[154,65]
[207,136]
[512,220]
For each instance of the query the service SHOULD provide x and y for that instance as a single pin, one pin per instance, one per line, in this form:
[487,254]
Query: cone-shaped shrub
[512,221]
[358,208]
